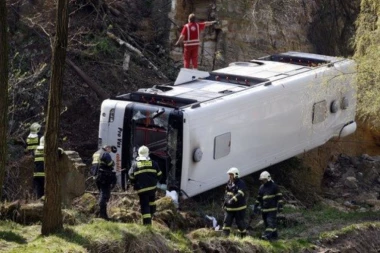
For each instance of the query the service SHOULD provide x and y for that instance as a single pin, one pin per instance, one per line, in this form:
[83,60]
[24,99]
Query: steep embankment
[248,29]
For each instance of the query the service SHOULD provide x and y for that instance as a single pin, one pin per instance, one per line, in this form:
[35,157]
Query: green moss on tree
[368,58]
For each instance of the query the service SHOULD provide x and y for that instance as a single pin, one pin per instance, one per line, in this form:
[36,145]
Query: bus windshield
[150,128]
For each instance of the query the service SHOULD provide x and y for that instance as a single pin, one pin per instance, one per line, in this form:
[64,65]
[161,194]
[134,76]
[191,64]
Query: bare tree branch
[136,51]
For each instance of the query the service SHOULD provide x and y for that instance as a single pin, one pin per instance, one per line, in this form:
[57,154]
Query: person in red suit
[190,38]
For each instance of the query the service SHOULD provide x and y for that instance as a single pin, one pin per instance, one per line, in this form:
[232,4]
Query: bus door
[149,127]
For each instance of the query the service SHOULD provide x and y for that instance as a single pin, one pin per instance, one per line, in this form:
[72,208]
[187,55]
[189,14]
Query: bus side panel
[267,125]
[245,117]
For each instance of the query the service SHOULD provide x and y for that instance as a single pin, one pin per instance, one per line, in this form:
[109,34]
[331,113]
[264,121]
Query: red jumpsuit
[191,42]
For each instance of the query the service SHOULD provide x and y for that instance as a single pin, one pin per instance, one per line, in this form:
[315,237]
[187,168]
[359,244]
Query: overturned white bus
[248,115]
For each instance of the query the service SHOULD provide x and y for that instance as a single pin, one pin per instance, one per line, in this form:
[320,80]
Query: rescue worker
[190,37]
[234,203]
[39,169]
[144,175]
[105,177]
[269,201]
[33,139]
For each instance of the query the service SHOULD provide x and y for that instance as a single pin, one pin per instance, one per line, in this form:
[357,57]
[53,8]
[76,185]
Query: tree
[3,90]
[52,213]
[367,55]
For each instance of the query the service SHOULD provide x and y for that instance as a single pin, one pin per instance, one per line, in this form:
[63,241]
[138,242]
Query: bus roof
[199,86]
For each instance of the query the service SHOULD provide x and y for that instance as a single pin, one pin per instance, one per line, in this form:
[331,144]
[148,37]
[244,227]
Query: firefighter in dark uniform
[144,175]
[234,203]
[105,177]
[39,169]
[269,201]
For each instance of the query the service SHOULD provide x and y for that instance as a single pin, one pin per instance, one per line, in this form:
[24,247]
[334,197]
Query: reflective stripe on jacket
[39,174]
[144,174]
[39,155]
[235,191]
[39,164]
[32,143]
[96,156]
[269,197]
[96,162]
[106,162]
[189,41]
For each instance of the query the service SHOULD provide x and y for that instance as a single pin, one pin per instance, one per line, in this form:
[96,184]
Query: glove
[230,202]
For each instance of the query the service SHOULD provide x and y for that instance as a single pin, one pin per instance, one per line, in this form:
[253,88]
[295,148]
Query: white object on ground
[174,196]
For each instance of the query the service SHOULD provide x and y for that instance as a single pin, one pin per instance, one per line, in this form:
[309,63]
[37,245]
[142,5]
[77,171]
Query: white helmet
[233,171]
[35,127]
[42,142]
[265,175]
[144,151]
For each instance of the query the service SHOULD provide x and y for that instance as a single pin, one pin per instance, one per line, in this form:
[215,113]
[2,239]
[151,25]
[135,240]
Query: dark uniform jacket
[32,142]
[106,162]
[39,169]
[269,197]
[96,161]
[144,174]
[39,161]
[235,195]
[102,168]
[101,160]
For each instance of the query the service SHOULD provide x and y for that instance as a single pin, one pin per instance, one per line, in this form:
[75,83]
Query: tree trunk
[52,213]
[3,91]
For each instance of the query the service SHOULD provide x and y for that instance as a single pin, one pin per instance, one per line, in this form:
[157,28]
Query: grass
[320,218]
[348,229]
[102,236]
[321,214]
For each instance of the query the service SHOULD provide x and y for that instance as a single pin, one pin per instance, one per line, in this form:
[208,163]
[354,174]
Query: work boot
[103,212]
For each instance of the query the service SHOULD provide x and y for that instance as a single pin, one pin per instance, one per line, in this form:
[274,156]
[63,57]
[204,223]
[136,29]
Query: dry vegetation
[367,55]
[101,59]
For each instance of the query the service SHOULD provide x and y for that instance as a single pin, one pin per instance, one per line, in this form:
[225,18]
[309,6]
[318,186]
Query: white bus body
[248,115]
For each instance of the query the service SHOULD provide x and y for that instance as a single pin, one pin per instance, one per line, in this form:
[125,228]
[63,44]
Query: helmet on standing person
[35,127]
[233,171]
[144,151]
[265,176]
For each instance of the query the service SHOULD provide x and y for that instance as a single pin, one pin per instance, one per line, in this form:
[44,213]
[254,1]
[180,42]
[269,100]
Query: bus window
[222,145]
[150,128]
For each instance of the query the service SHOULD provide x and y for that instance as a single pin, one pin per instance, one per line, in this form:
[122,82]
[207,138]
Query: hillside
[325,212]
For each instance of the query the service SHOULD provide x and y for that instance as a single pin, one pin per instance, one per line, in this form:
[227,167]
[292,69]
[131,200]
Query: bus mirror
[158,113]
